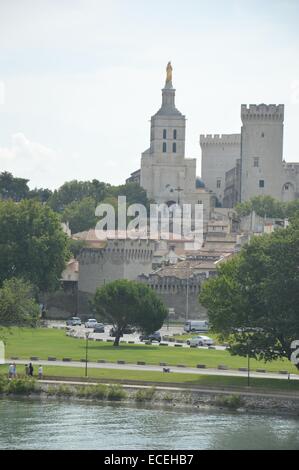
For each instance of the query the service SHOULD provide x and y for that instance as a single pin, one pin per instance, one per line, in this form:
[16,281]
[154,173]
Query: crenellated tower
[261,150]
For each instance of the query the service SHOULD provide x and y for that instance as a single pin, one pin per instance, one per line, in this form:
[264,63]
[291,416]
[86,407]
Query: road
[154,368]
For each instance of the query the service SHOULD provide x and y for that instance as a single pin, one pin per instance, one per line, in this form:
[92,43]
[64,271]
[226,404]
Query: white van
[196,326]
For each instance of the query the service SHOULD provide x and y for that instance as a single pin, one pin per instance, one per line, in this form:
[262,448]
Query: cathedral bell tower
[164,168]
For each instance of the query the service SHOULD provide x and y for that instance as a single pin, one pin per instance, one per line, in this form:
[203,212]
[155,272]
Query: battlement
[262,112]
[220,139]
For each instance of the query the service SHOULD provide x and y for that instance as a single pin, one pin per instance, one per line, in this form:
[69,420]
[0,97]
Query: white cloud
[30,160]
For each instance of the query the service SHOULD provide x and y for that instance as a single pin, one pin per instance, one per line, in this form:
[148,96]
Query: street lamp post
[86,352]
[248,365]
[187,291]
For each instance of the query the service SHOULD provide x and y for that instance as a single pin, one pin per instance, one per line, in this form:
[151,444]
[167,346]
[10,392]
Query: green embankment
[24,343]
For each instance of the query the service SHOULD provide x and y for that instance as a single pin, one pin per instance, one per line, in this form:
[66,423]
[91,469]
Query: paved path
[156,368]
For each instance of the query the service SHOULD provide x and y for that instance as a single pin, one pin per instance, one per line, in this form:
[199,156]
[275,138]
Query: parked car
[156,336]
[91,323]
[99,328]
[126,331]
[196,326]
[200,341]
[73,321]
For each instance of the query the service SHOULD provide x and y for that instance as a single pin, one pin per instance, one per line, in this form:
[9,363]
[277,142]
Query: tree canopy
[253,302]
[13,188]
[262,206]
[32,243]
[80,214]
[126,303]
[18,306]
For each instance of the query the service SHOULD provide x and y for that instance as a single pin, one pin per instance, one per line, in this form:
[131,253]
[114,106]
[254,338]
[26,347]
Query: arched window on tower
[164,147]
[174,147]
[164,134]
[174,134]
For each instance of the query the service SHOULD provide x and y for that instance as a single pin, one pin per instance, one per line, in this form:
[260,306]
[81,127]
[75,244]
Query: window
[218,184]
[262,183]
[286,187]
[256,162]
[164,134]
[164,147]
[174,134]
[263,134]
[174,147]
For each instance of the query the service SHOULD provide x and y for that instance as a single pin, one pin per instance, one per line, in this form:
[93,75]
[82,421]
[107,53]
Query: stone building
[218,155]
[257,168]
[179,285]
[166,174]
[103,261]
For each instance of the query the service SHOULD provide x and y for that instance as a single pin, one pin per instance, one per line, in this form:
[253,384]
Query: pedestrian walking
[26,370]
[10,371]
[31,369]
[40,372]
[14,370]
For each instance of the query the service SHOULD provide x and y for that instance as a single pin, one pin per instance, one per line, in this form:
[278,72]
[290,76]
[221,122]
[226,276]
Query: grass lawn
[125,376]
[44,342]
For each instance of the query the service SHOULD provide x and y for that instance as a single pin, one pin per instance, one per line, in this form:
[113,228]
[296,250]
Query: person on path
[31,369]
[14,370]
[40,372]
[10,371]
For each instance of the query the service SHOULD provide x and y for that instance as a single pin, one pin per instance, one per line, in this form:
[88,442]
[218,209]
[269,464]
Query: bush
[168,397]
[51,390]
[94,391]
[22,386]
[116,393]
[64,390]
[145,395]
[3,384]
[232,402]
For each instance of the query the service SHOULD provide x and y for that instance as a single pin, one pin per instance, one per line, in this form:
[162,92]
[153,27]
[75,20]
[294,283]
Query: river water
[34,424]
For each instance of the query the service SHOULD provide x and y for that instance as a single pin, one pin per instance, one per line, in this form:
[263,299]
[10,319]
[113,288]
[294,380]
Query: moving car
[91,323]
[73,321]
[200,341]
[152,337]
[99,328]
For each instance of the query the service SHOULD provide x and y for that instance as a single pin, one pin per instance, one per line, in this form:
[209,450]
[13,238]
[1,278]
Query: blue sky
[79,79]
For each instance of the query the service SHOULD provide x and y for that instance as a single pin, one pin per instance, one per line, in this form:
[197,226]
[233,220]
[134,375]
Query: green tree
[134,193]
[73,191]
[13,188]
[75,246]
[126,303]
[253,302]
[80,215]
[18,306]
[32,243]
[40,194]
[263,206]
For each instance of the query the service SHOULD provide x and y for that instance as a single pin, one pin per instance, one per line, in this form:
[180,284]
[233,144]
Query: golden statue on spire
[169,72]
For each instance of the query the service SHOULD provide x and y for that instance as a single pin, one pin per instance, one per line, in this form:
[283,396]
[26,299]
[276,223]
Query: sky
[80,79]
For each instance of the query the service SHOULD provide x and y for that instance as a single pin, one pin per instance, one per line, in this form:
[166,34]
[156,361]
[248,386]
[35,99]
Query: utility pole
[86,352]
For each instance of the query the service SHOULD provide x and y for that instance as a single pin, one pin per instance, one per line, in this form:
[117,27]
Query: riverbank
[241,401]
